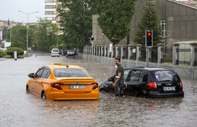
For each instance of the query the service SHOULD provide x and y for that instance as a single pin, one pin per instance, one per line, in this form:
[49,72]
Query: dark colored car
[71,53]
[148,82]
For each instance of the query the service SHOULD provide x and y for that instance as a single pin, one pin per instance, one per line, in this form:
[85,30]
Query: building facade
[4,26]
[50,10]
[178,21]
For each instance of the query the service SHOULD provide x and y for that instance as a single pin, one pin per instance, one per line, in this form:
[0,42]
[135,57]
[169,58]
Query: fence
[160,54]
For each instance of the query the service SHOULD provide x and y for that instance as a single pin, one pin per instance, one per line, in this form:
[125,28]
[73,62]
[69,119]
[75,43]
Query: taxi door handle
[34,80]
[41,81]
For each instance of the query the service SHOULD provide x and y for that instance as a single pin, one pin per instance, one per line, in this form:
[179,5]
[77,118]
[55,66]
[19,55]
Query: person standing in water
[119,78]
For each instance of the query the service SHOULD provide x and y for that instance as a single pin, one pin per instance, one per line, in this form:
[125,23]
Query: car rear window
[70,73]
[166,76]
[70,51]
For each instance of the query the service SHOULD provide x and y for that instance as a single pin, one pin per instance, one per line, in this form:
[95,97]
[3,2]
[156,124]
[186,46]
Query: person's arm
[117,79]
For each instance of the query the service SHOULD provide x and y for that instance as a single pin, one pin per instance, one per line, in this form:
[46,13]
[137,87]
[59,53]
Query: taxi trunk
[77,85]
[75,88]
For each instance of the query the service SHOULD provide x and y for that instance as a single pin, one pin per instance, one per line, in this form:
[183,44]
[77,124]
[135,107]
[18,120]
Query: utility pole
[10,33]
[27,22]
[92,39]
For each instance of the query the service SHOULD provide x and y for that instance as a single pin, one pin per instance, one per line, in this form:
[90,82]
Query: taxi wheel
[43,95]
[27,89]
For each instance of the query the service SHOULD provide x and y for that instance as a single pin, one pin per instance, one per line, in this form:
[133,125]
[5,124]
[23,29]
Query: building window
[50,18]
[163,26]
[50,12]
[50,6]
[50,1]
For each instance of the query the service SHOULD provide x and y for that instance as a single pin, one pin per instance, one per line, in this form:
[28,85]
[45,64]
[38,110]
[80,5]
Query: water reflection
[19,109]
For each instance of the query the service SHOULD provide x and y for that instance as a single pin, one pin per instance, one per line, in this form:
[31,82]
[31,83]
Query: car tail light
[181,86]
[153,85]
[56,85]
[95,85]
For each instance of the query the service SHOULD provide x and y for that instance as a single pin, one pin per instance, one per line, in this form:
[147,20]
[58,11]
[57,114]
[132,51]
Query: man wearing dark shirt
[119,78]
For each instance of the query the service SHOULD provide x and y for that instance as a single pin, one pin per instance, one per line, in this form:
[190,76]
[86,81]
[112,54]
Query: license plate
[77,87]
[169,88]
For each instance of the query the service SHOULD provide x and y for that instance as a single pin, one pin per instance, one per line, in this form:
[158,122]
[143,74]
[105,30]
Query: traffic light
[149,38]
[92,38]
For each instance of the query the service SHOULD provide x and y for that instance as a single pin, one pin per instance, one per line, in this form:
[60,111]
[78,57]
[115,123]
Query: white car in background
[55,52]
[70,53]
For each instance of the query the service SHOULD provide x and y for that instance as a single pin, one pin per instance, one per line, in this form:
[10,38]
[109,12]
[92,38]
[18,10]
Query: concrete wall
[181,21]
[99,37]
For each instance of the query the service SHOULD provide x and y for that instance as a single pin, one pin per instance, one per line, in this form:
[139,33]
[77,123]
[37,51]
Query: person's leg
[122,89]
[117,89]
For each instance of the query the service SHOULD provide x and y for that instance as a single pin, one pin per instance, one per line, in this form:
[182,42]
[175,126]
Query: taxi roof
[65,66]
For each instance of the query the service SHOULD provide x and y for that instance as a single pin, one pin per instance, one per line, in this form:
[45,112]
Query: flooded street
[19,109]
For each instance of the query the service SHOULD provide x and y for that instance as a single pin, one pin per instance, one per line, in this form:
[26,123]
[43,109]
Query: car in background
[55,52]
[70,53]
[148,82]
[62,82]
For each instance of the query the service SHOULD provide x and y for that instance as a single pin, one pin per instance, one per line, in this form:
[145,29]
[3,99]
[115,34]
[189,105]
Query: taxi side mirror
[31,75]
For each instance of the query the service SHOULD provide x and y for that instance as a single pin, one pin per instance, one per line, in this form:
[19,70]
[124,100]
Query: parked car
[71,53]
[55,52]
[62,82]
[148,82]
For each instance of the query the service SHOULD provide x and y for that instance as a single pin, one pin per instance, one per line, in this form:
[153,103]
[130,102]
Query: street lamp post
[27,22]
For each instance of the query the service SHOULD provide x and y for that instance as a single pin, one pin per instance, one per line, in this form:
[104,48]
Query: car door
[134,81]
[42,80]
[37,80]
[31,85]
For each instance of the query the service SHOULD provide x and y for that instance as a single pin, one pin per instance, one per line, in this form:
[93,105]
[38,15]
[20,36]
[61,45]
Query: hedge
[2,53]
[11,50]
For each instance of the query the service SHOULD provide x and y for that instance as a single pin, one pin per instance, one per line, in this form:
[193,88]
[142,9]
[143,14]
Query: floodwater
[18,109]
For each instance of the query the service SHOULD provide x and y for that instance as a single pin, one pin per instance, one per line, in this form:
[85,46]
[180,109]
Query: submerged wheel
[27,89]
[102,90]
[43,96]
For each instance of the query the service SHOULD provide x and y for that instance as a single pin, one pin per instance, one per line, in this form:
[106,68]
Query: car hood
[105,83]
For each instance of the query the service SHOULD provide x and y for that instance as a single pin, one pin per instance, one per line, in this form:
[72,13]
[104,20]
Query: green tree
[45,36]
[76,23]
[148,19]
[115,18]
[19,36]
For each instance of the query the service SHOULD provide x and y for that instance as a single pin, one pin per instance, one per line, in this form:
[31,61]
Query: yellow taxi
[62,82]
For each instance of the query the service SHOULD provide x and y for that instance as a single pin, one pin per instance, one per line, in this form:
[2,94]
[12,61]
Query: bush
[10,51]
[51,47]
[2,53]
[18,44]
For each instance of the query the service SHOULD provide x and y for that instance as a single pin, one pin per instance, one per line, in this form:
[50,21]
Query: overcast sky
[9,10]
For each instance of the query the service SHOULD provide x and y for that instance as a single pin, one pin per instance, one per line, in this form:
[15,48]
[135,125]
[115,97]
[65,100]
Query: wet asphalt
[18,109]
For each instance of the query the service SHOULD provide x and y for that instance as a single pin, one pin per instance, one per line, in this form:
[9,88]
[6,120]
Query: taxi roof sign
[57,64]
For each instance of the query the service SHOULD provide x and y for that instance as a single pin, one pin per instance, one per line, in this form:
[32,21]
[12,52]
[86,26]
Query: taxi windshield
[70,73]
[166,76]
